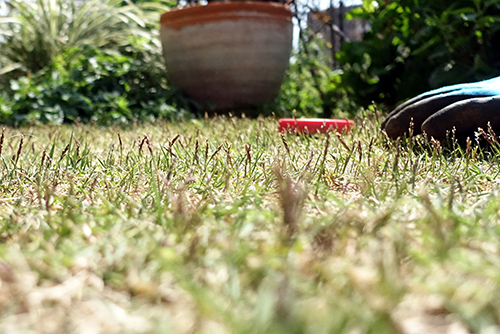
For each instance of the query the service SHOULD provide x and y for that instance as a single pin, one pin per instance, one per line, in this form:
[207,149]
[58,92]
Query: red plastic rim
[314,125]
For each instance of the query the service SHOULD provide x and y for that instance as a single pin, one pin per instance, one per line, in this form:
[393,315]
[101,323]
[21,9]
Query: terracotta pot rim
[222,11]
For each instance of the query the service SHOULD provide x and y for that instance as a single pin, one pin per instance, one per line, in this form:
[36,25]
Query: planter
[228,55]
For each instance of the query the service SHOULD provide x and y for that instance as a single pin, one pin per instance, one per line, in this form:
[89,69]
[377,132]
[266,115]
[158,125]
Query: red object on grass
[314,125]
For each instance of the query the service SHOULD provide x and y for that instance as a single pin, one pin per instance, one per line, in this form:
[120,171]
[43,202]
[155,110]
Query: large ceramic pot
[228,54]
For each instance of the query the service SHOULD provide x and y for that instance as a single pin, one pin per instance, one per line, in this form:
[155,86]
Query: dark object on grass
[460,108]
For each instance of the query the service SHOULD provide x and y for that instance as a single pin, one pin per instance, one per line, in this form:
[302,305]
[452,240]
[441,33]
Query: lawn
[225,226]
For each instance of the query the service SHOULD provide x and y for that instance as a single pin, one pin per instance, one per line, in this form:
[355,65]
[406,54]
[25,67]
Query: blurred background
[101,61]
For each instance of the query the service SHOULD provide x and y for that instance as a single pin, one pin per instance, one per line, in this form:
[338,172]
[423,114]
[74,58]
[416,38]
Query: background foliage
[102,61]
[311,87]
[36,32]
[116,73]
[417,45]
[102,86]
[99,61]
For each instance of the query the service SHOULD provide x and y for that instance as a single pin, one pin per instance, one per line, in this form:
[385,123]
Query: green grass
[224,226]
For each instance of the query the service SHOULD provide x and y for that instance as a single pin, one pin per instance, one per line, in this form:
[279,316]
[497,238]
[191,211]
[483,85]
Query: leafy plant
[103,86]
[415,45]
[310,86]
[99,61]
[34,33]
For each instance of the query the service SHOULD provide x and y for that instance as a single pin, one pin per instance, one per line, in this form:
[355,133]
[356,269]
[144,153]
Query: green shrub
[417,45]
[311,87]
[94,61]
[34,33]
[107,87]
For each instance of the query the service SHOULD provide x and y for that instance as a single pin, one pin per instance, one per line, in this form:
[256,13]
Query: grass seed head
[172,142]
[19,149]
[206,150]
[149,144]
[196,149]
[142,143]
[63,153]
[292,196]
[1,140]
[248,149]
[120,141]
[215,152]
[285,143]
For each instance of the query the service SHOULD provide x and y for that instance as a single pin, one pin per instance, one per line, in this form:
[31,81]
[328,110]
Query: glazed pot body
[228,54]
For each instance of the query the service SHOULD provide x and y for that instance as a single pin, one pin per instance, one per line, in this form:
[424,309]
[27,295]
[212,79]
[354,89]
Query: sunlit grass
[226,226]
